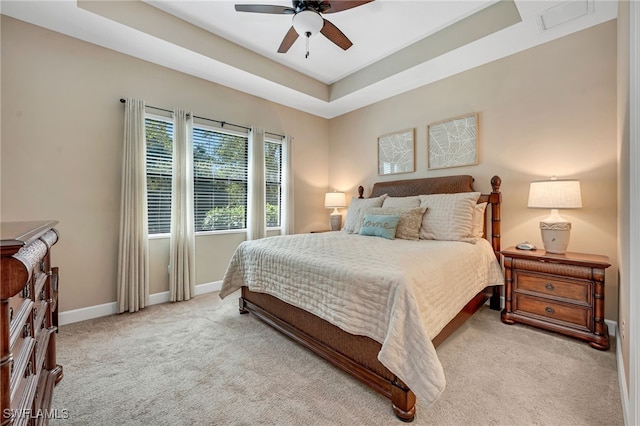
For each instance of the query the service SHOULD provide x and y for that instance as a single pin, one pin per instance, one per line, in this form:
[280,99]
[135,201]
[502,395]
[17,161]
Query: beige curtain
[256,197]
[182,266]
[133,249]
[287,187]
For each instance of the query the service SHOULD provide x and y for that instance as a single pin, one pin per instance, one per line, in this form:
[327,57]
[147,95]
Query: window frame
[242,134]
[280,142]
[169,120]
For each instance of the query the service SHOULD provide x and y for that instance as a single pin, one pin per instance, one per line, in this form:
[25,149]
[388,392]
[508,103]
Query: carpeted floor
[201,363]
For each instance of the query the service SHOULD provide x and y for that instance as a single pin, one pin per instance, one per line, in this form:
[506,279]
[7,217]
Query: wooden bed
[357,355]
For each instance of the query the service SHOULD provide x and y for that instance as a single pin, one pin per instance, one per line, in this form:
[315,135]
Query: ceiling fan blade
[339,6]
[332,32]
[288,40]
[265,8]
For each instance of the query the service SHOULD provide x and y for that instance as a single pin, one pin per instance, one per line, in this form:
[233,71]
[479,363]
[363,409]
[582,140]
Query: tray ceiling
[397,45]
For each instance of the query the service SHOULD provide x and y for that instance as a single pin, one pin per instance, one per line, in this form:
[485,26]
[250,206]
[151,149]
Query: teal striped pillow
[378,225]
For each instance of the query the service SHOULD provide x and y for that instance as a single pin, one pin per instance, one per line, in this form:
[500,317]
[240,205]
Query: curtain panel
[182,264]
[133,249]
[287,187]
[256,197]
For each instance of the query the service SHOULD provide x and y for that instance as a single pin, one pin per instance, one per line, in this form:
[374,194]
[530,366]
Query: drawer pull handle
[549,286]
[549,310]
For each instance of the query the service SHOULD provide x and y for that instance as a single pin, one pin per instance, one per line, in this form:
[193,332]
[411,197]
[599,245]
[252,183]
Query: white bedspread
[400,293]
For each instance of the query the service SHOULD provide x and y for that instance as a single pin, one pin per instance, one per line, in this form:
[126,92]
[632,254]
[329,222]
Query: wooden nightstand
[558,292]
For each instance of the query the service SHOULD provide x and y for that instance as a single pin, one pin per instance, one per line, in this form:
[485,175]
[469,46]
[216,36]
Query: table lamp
[335,200]
[555,194]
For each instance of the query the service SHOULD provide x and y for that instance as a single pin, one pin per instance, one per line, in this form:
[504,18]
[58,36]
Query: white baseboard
[624,393]
[82,314]
[612,326]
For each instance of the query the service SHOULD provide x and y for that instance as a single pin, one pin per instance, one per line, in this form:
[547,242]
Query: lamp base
[336,222]
[555,236]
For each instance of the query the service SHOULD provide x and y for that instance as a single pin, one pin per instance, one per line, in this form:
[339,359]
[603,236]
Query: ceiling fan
[308,20]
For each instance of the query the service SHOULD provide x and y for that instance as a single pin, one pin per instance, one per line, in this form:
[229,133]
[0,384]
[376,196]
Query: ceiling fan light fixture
[307,23]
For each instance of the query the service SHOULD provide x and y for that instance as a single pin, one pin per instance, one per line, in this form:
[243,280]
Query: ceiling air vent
[564,12]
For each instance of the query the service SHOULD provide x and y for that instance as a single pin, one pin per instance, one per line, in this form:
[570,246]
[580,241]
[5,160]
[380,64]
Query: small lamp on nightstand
[555,194]
[335,201]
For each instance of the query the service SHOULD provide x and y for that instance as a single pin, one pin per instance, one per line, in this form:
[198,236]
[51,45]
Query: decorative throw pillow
[352,221]
[379,225]
[448,216]
[477,223]
[402,202]
[409,223]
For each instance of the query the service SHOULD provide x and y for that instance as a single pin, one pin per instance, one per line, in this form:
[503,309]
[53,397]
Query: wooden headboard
[435,185]
[447,185]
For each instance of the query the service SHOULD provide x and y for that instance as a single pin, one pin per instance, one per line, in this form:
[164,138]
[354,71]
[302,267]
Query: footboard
[356,355]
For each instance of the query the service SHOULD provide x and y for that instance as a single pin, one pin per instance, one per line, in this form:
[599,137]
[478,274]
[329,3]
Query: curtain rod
[222,123]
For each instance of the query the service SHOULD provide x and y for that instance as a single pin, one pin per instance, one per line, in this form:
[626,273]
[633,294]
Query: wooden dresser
[557,292]
[29,320]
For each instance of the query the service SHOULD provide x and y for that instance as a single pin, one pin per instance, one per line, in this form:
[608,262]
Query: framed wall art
[453,142]
[396,152]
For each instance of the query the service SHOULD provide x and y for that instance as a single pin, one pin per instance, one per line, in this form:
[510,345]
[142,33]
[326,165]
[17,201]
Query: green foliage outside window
[234,217]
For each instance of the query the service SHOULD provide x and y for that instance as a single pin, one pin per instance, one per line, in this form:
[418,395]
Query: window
[273,182]
[159,135]
[220,178]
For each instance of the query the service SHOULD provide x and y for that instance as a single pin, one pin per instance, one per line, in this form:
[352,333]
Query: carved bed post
[495,198]
[360,191]
[403,400]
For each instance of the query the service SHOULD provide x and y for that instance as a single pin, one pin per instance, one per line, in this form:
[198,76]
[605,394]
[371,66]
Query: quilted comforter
[400,293]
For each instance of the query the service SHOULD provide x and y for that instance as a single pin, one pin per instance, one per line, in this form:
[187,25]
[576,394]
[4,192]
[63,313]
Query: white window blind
[220,179]
[273,182]
[159,135]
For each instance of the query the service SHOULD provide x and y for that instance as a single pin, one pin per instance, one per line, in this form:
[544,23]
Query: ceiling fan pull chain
[308,34]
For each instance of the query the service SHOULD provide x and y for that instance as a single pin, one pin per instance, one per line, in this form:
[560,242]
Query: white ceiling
[397,45]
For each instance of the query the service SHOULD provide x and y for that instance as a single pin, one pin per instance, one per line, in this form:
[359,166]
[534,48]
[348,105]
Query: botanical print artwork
[396,153]
[453,142]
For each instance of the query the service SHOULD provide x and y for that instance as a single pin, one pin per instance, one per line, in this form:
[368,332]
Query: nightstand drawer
[574,290]
[575,316]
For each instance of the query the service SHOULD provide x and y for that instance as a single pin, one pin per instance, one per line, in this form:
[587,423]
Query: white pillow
[448,216]
[477,223]
[352,221]
[402,202]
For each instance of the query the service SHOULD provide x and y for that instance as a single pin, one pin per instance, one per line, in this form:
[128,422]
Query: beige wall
[548,110]
[61,152]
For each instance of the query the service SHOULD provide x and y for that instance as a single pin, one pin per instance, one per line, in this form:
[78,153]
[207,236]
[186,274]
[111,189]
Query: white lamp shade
[307,21]
[335,200]
[555,194]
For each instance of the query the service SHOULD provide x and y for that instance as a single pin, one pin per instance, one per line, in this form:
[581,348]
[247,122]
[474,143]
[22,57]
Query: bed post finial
[360,191]
[496,181]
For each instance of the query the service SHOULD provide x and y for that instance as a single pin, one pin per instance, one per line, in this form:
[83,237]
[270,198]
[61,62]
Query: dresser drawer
[553,286]
[20,325]
[575,316]
[22,365]
[15,307]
